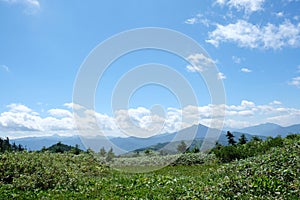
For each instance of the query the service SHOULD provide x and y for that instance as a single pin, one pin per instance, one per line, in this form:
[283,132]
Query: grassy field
[275,174]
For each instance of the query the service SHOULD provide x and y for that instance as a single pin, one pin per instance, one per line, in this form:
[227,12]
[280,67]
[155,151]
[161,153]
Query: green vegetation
[6,146]
[62,148]
[244,150]
[270,170]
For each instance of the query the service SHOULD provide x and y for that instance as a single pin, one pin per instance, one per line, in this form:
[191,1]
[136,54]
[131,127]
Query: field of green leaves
[273,173]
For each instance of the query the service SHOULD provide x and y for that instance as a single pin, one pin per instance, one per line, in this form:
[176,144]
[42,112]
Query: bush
[241,151]
[47,170]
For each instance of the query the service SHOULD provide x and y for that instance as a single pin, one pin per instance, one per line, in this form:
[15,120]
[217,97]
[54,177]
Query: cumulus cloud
[18,108]
[141,122]
[21,118]
[199,62]
[295,81]
[73,106]
[248,6]
[275,102]
[59,113]
[220,2]
[250,35]
[246,70]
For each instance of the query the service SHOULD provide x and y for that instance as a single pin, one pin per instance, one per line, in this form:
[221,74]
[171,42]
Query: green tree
[256,138]
[181,147]
[110,155]
[196,150]
[102,152]
[76,150]
[147,152]
[243,139]
[230,138]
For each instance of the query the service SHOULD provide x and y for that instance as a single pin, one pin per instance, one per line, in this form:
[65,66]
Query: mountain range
[270,129]
[192,135]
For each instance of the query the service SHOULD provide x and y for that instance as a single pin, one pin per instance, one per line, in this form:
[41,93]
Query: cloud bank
[20,118]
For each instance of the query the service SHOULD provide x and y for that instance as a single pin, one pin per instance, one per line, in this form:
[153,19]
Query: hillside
[272,175]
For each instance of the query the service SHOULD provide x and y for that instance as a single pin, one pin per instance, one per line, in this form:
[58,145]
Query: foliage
[102,152]
[163,160]
[242,139]
[110,155]
[33,171]
[6,146]
[274,174]
[193,159]
[61,148]
[181,147]
[230,138]
[147,152]
[242,151]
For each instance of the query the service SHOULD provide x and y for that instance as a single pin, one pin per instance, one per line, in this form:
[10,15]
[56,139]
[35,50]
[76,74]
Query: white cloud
[280,14]
[199,62]
[246,103]
[74,106]
[18,108]
[192,20]
[275,102]
[246,70]
[248,6]
[141,122]
[242,32]
[192,68]
[21,118]
[59,113]
[249,35]
[5,68]
[220,2]
[200,58]
[221,76]
[295,81]
[199,18]
[298,69]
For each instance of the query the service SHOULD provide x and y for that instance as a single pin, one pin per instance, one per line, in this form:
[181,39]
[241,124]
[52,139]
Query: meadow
[272,173]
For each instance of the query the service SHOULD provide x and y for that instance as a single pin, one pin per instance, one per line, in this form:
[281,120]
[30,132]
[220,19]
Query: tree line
[6,146]
[243,148]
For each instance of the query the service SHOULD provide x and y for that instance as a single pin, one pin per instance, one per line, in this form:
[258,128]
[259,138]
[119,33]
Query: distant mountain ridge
[271,129]
[37,143]
[123,145]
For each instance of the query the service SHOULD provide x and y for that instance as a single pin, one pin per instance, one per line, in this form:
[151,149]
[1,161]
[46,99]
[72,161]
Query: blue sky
[255,45]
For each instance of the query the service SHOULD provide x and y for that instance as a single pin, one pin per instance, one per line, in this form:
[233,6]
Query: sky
[254,44]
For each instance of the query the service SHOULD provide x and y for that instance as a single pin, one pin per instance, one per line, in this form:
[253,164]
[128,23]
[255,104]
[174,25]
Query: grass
[273,175]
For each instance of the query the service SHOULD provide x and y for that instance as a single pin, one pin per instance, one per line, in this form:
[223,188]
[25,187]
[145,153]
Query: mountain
[197,142]
[270,129]
[119,144]
[123,145]
[37,143]
[187,134]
